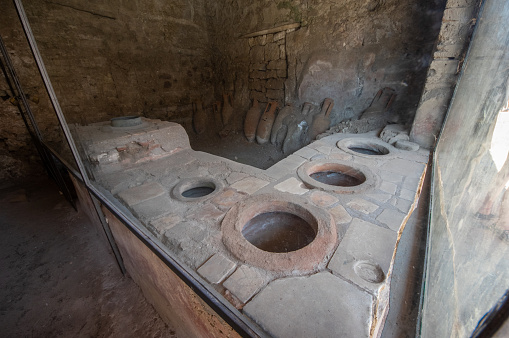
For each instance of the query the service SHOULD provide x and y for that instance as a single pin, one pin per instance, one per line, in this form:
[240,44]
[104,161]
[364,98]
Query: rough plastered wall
[117,58]
[345,50]
[457,27]
[105,59]
[18,156]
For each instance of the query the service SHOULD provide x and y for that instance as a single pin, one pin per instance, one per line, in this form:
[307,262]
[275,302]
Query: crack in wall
[82,10]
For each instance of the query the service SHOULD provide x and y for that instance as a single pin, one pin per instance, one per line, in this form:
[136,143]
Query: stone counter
[345,291]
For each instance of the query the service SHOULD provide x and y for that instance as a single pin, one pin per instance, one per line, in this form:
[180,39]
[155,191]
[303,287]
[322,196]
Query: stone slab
[321,305]
[227,199]
[382,198]
[388,187]
[245,282]
[390,176]
[235,177]
[406,194]
[160,225]
[284,167]
[216,268]
[362,205]
[292,186]
[249,185]
[403,205]
[340,215]
[190,243]
[306,152]
[141,193]
[153,208]
[207,213]
[323,199]
[404,167]
[364,244]
[392,218]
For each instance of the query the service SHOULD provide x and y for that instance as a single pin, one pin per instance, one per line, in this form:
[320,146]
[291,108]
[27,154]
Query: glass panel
[32,84]
[468,265]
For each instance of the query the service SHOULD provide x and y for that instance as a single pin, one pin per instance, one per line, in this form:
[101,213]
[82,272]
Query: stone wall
[106,59]
[344,50]
[457,27]
[155,58]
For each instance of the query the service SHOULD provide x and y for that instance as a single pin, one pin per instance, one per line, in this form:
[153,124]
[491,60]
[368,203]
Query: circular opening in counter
[369,149]
[198,192]
[366,147]
[195,189]
[339,177]
[125,121]
[336,176]
[370,272]
[279,231]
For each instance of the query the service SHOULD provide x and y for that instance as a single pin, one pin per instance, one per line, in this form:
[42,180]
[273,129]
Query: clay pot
[381,102]
[265,124]
[218,119]
[297,130]
[227,111]
[199,118]
[251,121]
[278,122]
[321,121]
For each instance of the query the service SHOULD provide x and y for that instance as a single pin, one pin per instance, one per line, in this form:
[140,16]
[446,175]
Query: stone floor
[368,224]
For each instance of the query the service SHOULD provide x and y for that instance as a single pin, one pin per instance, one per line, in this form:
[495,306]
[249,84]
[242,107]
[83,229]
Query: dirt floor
[235,147]
[58,278]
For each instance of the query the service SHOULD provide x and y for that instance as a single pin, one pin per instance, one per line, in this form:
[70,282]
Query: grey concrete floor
[58,277]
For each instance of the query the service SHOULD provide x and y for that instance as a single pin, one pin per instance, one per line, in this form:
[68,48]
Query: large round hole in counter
[337,176]
[373,148]
[198,192]
[196,189]
[279,231]
[369,149]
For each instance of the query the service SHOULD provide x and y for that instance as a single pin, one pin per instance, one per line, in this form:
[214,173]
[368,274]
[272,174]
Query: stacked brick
[268,67]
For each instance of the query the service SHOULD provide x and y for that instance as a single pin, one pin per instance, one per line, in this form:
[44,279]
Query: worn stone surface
[404,167]
[227,198]
[340,215]
[306,153]
[283,168]
[216,269]
[292,186]
[249,185]
[323,199]
[245,282]
[142,193]
[362,205]
[382,198]
[388,187]
[392,218]
[409,195]
[207,213]
[337,308]
[364,243]
[403,205]
[160,225]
